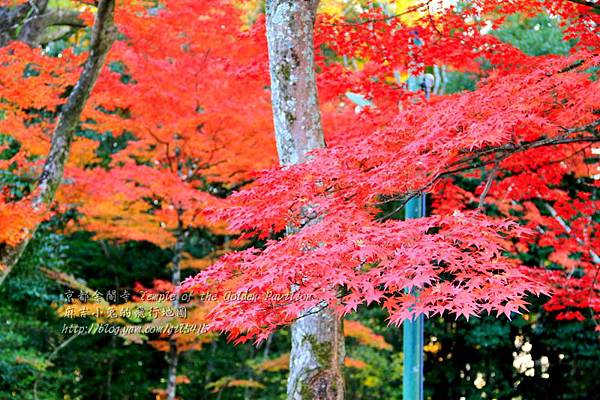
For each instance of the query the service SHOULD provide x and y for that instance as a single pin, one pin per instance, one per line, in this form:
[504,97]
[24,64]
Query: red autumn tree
[195,133]
[196,103]
[195,128]
[526,108]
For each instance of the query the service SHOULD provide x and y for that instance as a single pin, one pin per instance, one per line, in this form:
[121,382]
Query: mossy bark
[290,34]
[317,353]
[29,22]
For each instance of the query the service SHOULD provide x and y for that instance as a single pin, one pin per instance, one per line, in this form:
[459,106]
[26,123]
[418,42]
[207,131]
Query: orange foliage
[17,220]
[275,364]
[354,363]
[365,335]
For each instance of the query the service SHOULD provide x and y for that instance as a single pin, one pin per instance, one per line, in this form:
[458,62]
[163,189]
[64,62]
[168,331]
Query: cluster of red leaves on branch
[456,261]
[565,220]
[561,216]
[386,47]
[17,220]
[420,145]
[32,86]
[575,245]
[454,36]
[195,95]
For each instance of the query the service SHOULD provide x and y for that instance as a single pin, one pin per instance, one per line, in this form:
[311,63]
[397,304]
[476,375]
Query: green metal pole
[412,343]
[412,331]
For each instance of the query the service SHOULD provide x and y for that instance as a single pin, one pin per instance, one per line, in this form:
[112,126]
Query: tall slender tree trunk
[173,355]
[317,353]
[172,360]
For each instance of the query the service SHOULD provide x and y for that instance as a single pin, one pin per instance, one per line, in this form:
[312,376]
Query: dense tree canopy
[521,108]
[171,176]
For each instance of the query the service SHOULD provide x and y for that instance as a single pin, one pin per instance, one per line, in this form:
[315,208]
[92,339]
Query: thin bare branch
[488,185]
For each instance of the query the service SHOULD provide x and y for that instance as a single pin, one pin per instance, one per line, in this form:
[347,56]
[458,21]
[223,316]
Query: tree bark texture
[317,353]
[173,354]
[29,21]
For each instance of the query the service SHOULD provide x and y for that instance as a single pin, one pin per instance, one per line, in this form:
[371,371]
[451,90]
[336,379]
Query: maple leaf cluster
[456,262]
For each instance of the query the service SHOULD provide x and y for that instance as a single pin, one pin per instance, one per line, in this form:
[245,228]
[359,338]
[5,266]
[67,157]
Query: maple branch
[61,17]
[508,150]
[103,35]
[561,139]
[34,26]
[512,148]
[560,160]
[595,6]
[567,228]
[502,152]
[488,185]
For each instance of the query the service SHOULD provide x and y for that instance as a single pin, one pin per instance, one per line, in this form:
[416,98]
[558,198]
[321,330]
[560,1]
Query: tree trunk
[290,27]
[317,353]
[172,360]
[173,355]
[103,35]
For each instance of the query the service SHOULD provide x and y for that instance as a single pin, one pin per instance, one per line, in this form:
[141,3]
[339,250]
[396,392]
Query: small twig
[51,356]
[400,207]
[312,312]
[432,21]
[488,185]
[34,5]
